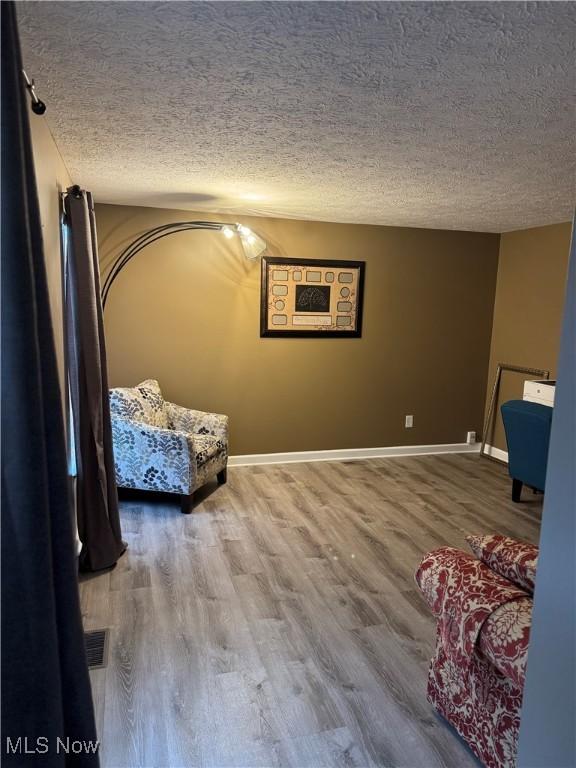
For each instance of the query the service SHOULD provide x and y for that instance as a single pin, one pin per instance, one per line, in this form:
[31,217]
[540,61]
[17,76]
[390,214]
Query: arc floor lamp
[252,244]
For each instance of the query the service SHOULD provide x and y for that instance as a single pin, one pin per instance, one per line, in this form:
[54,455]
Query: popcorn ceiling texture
[444,115]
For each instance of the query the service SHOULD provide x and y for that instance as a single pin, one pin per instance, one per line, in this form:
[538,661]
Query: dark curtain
[45,685]
[96,493]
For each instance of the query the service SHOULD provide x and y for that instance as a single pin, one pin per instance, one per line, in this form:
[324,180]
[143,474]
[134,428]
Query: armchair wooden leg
[222,476]
[186,503]
[516,489]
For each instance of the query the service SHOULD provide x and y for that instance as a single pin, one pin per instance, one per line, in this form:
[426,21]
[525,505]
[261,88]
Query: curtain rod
[38,107]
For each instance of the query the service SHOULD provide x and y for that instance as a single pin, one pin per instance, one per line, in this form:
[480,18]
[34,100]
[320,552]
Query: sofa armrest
[197,422]
[437,570]
[152,458]
[462,593]
[448,571]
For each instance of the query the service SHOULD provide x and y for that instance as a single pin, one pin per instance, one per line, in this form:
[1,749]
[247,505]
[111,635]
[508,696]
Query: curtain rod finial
[38,106]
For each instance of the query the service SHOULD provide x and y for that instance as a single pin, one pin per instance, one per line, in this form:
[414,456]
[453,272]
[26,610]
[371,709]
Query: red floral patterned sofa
[484,609]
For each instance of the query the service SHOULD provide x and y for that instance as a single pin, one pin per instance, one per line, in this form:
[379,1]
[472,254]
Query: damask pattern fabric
[480,703]
[476,675]
[160,446]
[505,636]
[514,560]
[462,593]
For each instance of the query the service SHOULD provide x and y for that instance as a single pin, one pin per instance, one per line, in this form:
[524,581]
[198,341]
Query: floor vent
[96,644]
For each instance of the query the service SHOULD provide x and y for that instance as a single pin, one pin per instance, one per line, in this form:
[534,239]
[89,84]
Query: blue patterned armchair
[160,446]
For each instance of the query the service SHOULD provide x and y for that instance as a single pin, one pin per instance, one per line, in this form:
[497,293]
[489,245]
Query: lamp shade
[252,244]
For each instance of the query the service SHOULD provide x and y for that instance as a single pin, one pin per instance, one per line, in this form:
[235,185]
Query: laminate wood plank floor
[279,625]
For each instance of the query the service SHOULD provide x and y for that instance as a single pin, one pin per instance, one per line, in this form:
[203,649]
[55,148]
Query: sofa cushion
[512,559]
[504,638]
[143,403]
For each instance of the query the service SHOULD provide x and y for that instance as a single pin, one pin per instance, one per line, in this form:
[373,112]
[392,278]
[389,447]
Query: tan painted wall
[52,178]
[186,311]
[532,271]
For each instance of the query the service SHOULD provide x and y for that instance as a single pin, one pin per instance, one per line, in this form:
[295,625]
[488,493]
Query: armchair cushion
[142,403]
[512,559]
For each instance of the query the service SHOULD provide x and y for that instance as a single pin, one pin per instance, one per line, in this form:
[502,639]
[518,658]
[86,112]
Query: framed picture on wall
[311,298]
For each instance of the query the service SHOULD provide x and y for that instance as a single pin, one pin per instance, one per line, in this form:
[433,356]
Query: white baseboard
[350,454]
[496,453]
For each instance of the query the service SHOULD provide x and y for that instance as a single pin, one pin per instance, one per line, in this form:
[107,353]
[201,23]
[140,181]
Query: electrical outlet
[409,422]
[471,438]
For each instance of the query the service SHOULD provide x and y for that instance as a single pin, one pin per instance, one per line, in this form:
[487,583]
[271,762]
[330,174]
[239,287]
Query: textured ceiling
[450,115]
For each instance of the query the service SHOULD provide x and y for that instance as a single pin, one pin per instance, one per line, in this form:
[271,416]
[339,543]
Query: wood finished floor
[279,623]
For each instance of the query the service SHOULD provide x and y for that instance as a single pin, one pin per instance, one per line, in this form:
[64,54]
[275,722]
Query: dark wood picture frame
[316,333]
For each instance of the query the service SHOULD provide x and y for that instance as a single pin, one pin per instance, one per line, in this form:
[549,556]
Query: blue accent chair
[527,426]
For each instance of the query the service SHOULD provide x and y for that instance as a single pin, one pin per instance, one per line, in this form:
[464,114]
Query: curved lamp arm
[252,245]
